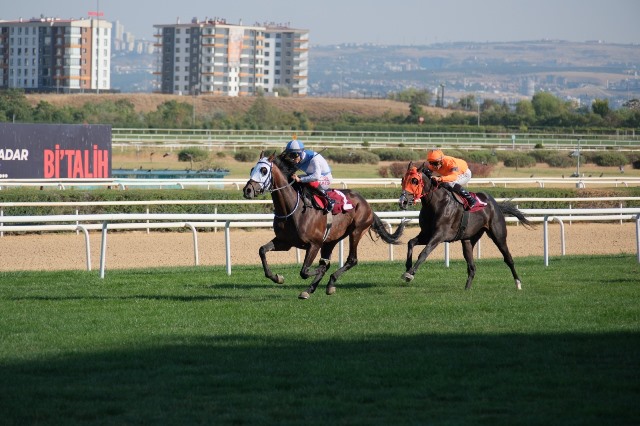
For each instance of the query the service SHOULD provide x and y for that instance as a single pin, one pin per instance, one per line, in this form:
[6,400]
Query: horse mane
[286,167]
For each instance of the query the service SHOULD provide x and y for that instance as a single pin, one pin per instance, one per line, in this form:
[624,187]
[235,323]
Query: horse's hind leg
[501,242]
[276,245]
[352,260]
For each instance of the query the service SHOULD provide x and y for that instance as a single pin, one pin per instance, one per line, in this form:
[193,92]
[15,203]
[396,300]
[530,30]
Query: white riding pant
[462,179]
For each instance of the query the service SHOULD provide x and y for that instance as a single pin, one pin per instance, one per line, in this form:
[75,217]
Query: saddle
[341,202]
[480,204]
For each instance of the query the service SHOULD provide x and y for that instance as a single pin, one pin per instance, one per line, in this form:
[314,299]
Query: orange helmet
[435,156]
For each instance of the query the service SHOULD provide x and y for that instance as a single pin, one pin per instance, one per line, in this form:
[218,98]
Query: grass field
[194,346]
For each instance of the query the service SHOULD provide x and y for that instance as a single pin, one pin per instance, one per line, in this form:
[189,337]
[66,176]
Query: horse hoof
[407,277]
[331,290]
[279,279]
[304,295]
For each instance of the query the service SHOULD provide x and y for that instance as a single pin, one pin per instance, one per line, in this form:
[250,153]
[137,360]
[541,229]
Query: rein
[292,211]
[434,187]
[273,189]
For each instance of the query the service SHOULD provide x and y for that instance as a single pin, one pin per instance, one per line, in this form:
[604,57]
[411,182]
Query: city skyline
[404,22]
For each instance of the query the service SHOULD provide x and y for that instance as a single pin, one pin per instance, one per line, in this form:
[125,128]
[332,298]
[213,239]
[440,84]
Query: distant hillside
[315,108]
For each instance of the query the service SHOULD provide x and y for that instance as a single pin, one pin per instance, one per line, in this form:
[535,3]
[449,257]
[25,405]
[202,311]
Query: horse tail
[510,209]
[380,229]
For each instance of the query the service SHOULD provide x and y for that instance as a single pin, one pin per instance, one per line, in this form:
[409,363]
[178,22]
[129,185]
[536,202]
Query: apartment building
[55,55]
[214,57]
[286,59]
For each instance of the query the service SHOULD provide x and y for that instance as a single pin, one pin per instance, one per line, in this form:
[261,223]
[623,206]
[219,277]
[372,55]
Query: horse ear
[261,154]
[409,166]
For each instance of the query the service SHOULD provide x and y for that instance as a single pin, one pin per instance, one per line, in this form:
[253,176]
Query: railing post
[196,258]
[87,245]
[227,245]
[103,249]
[545,240]
[638,237]
[446,254]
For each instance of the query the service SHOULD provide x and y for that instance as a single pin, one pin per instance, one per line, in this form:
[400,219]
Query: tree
[261,115]
[468,102]
[411,95]
[14,106]
[601,107]
[525,112]
[415,112]
[546,105]
[632,104]
[172,115]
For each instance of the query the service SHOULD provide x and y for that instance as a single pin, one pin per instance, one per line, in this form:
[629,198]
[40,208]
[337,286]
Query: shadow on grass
[424,379]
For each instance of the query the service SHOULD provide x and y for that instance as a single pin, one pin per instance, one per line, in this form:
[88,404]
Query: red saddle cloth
[479,205]
[341,205]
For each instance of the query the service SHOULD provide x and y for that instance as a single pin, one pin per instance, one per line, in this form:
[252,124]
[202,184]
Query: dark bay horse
[298,224]
[442,219]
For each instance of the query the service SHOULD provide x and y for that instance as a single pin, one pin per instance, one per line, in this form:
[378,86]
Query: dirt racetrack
[144,250]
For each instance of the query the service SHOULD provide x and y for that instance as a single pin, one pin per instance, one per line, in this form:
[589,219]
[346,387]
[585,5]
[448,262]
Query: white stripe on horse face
[261,172]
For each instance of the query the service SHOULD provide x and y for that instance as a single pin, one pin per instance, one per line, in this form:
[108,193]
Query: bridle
[414,183]
[267,184]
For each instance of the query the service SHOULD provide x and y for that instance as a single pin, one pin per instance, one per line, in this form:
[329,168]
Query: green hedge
[33,195]
[397,154]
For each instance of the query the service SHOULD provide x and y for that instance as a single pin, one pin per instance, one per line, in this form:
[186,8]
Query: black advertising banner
[53,151]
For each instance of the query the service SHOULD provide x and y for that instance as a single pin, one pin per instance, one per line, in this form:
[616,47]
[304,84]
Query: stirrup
[330,204]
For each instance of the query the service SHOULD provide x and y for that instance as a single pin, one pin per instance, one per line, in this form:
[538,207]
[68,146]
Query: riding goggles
[293,155]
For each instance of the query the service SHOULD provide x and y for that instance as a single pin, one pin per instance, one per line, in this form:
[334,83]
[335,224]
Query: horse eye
[263,171]
[414,181]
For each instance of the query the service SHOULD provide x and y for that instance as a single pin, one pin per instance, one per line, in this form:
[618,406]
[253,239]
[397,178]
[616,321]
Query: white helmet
[294,146]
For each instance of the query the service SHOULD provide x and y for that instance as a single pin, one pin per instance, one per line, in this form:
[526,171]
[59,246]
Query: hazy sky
[372,21]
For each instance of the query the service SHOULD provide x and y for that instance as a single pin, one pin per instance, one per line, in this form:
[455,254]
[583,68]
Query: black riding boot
[458,189]
[330,201]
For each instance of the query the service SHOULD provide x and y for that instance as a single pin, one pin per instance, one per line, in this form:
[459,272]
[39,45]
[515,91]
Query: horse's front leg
[276,245]
[467,252]
[411,270]
[306,271]
[409,263]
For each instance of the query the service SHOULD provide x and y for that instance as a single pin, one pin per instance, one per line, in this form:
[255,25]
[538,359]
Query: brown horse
[443,219]
[298,224]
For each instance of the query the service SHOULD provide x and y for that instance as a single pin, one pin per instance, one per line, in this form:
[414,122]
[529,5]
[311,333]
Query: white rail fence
[128,221]
[229,183]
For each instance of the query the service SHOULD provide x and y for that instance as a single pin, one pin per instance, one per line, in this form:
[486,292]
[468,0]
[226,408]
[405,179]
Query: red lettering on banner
[78,171]
[49,167]
[86,163]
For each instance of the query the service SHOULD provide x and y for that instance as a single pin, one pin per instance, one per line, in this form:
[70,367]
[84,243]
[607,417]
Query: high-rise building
[55,55]
[217,58]
[286,59]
